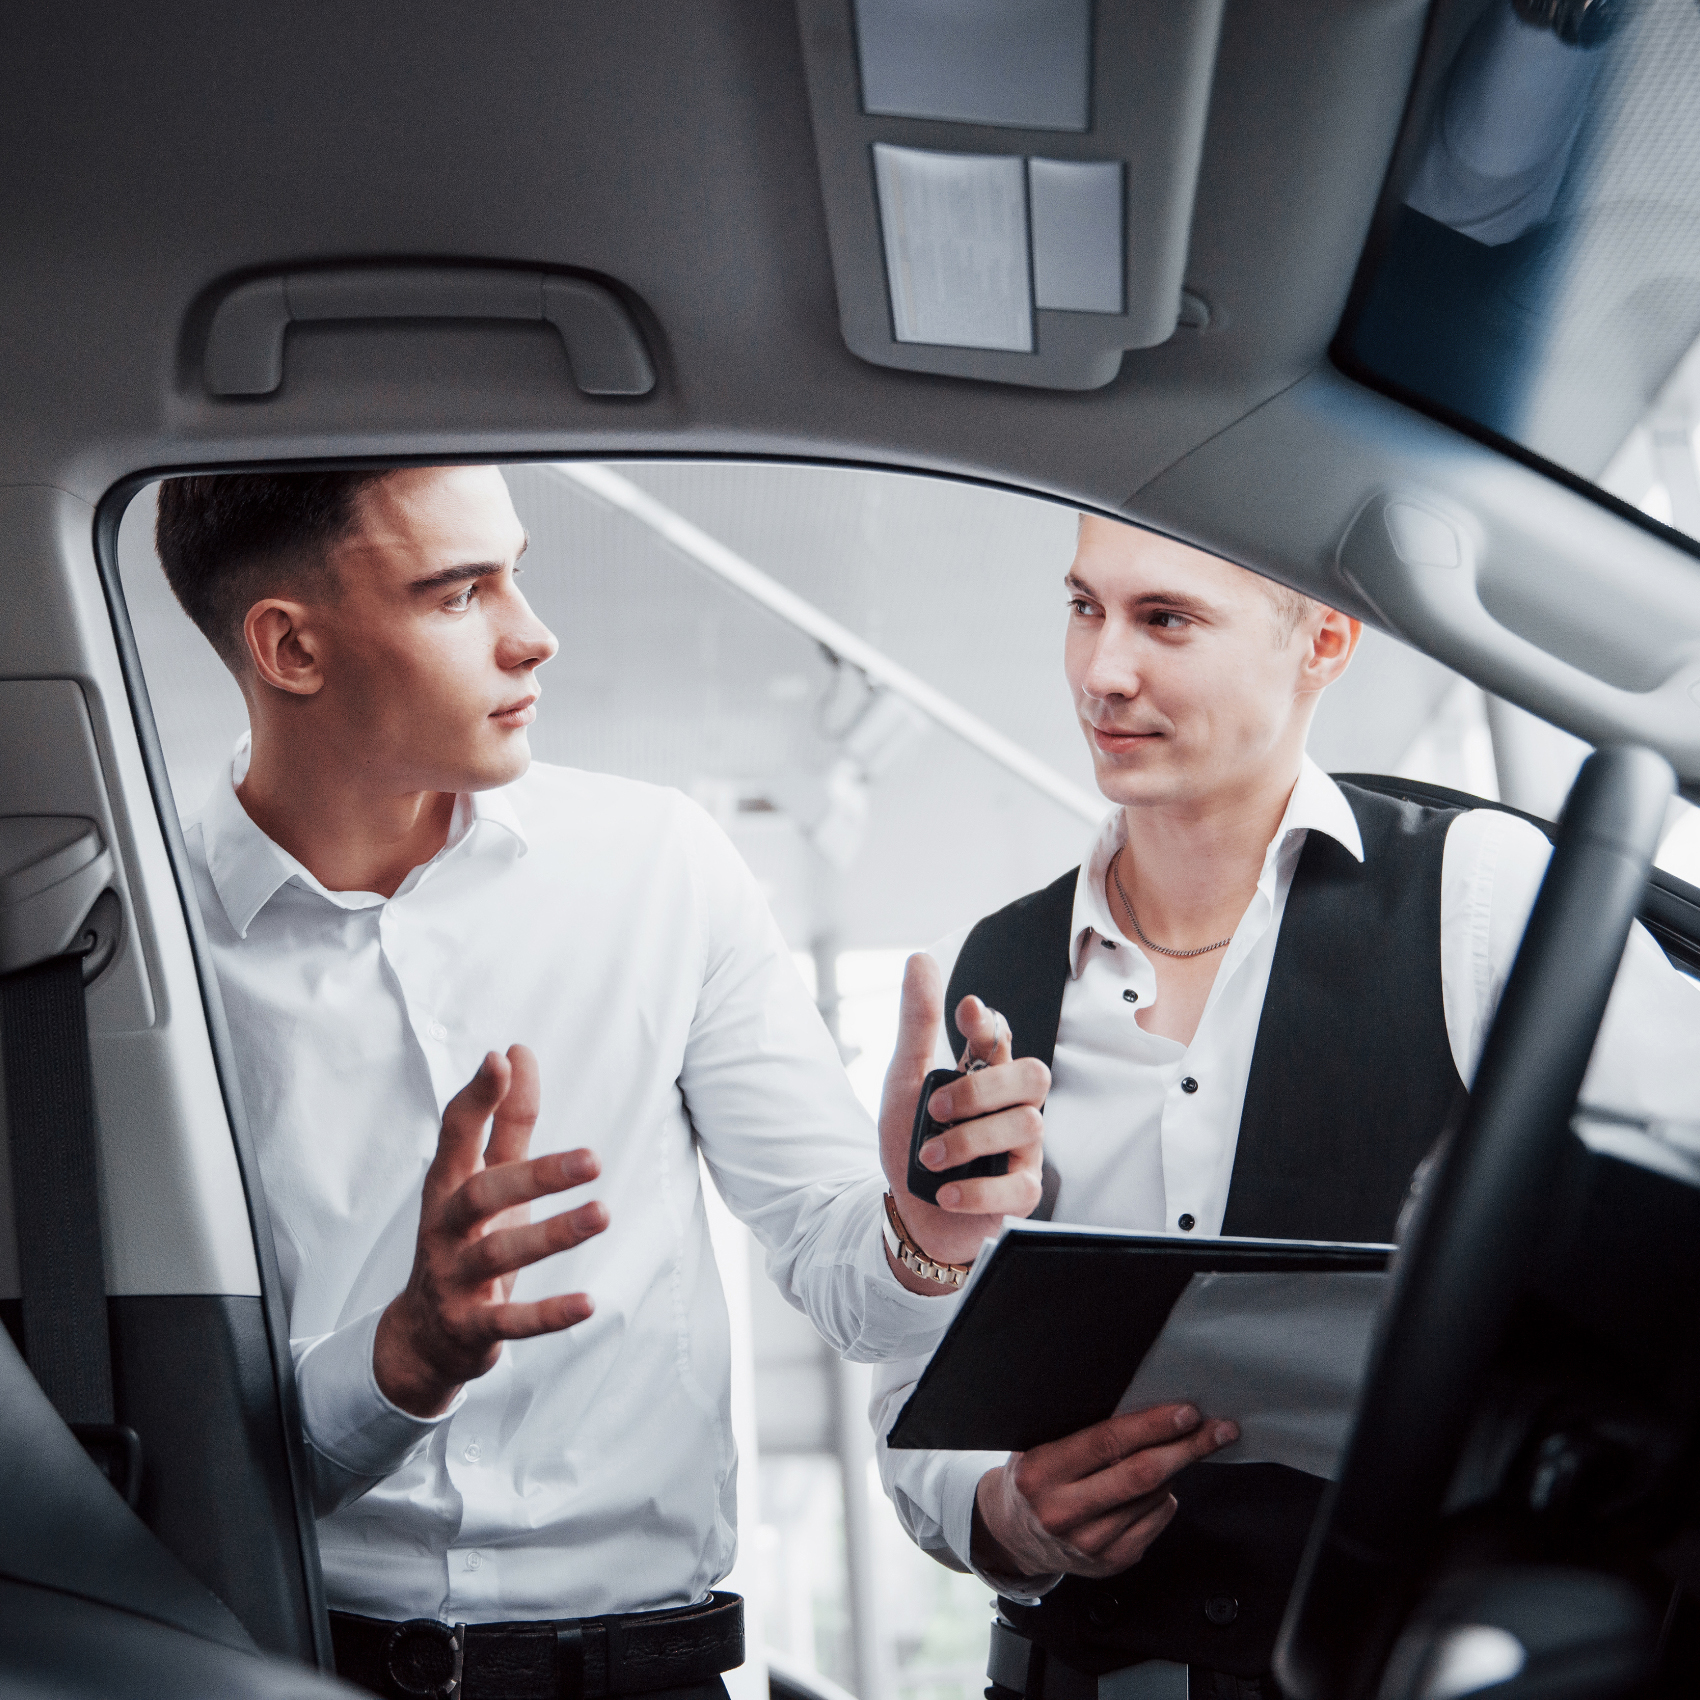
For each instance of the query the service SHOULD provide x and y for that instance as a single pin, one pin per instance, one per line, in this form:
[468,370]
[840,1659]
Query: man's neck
[1191,868]
[348,835]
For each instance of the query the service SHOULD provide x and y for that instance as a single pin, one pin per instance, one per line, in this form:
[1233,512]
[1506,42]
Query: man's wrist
[907,1258]
[914,1283]
[988,1554]
[402,1371]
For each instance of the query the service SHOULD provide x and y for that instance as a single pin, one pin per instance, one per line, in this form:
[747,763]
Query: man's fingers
[543,1316]
[918,1019]
[508,1249]
[1014,1194]
[460,1143]
[516,1114]
[1071,1505]
[1099,1447]
[984,1031]
[1019,1130]
[987,1090]
[1130,1545]
[491,1191]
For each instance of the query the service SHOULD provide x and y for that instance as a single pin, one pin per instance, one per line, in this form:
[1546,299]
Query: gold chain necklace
[1161,949]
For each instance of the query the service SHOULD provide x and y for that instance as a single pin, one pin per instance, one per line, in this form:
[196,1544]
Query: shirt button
[1221,1608]
[1130,996]
[437,1030]
[474,1560]
[1189,1084]
[1186,1224]
[473,1452]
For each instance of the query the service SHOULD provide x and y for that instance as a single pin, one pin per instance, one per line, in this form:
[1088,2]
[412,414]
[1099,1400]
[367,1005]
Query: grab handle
[244,353]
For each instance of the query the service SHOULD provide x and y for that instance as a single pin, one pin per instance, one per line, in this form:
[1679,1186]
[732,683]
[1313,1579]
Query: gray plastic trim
[1530,589]
[52,868]
[244,351]
[1151,78]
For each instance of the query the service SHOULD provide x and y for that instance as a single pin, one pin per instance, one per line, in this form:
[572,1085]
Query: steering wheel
[1459,1272]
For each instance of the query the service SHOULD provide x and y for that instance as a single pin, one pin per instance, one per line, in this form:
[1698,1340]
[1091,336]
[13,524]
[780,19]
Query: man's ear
[282,648]
[1332,643]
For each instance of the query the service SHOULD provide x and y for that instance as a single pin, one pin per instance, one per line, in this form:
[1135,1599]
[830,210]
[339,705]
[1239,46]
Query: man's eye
[1079,605]
[460,602]
[1170,622]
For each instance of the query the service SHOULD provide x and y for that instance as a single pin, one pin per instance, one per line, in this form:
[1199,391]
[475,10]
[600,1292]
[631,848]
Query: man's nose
[1111,672]
[527,642]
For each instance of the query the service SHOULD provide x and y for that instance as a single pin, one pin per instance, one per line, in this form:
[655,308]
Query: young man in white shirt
[395,899]
[1261,995]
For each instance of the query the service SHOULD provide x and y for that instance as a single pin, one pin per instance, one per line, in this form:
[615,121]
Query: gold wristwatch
[910,1255]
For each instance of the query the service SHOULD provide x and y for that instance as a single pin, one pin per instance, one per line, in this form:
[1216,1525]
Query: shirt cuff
[896,1322]
[961,1484]
[346,1415]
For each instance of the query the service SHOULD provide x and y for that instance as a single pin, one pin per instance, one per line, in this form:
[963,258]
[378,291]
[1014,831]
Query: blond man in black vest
[1260,995]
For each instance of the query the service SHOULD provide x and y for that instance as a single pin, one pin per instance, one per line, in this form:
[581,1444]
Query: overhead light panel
[1008,184]
[955,228]
[958,230]
[1026,64]
[1077,234]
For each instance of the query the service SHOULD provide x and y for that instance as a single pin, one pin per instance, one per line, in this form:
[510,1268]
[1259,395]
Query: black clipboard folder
[1053,1327]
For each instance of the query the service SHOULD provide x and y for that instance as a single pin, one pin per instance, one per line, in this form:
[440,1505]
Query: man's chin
[1129,785]
[500,767]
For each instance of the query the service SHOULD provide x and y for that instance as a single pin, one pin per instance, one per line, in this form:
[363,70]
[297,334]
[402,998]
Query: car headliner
[158,154]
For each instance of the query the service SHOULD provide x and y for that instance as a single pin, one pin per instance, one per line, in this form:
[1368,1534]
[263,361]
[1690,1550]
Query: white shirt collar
[248,869]
[1316,804]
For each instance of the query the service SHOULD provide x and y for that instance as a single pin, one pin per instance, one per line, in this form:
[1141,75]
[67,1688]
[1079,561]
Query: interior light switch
[955,229]
[1024,63]
[1077,234]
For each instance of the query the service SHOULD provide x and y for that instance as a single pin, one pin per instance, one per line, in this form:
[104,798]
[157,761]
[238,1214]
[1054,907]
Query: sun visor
[1008,183]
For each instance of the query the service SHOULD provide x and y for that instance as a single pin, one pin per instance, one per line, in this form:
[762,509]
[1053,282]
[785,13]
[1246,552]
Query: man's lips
[520,713]
[1112,738]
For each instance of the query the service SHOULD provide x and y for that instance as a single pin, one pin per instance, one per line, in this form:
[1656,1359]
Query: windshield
[1541,279]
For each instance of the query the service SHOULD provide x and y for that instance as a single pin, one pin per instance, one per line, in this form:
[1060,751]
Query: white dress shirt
[612,927]
[1134,1151]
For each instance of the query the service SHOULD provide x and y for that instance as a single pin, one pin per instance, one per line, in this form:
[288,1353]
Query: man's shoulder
[1048,912]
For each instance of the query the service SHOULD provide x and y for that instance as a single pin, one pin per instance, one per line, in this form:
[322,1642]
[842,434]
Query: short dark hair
[226,538]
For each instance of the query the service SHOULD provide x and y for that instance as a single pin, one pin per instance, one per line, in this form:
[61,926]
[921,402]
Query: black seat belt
[59,928]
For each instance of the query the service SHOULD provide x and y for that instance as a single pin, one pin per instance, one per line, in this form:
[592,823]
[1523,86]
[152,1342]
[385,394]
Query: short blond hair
[1291,607]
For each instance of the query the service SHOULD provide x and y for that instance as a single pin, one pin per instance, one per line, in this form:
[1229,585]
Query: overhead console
[1009,183]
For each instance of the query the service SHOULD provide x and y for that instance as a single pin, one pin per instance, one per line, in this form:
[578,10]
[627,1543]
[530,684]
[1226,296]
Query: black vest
[1351,1083]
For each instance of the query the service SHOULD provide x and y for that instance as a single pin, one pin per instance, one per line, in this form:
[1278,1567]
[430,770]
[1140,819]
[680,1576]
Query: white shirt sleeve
[791,1149]
[355,1435]
[932,1491]
[1644,1061]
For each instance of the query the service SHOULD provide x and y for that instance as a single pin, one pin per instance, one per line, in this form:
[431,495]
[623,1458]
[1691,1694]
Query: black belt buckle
[422,1660]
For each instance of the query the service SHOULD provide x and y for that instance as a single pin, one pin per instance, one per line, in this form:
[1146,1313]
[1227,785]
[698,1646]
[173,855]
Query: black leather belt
[1019,1667]
[575,1658]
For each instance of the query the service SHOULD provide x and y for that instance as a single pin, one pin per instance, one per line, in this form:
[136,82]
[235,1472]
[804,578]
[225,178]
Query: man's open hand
[475,1232]
[996,1109]
[1090,1504]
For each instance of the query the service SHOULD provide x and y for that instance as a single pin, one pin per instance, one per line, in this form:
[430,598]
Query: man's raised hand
[1090,1504]
[996,1109]
[446,1327]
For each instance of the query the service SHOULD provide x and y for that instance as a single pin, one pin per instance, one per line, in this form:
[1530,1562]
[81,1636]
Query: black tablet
[1052,1329]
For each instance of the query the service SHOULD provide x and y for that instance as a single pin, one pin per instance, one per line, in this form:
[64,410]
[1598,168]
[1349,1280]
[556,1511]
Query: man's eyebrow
[466,572]
[457,575]
[1181,601]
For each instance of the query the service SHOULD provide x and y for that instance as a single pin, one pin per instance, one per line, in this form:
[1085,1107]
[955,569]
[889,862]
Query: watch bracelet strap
[902,1246]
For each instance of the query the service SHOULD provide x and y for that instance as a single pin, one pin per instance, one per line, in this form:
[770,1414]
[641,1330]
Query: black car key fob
[925,1182]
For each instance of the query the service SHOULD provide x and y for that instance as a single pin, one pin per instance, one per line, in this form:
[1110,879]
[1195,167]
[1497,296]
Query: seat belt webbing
[50,1116]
